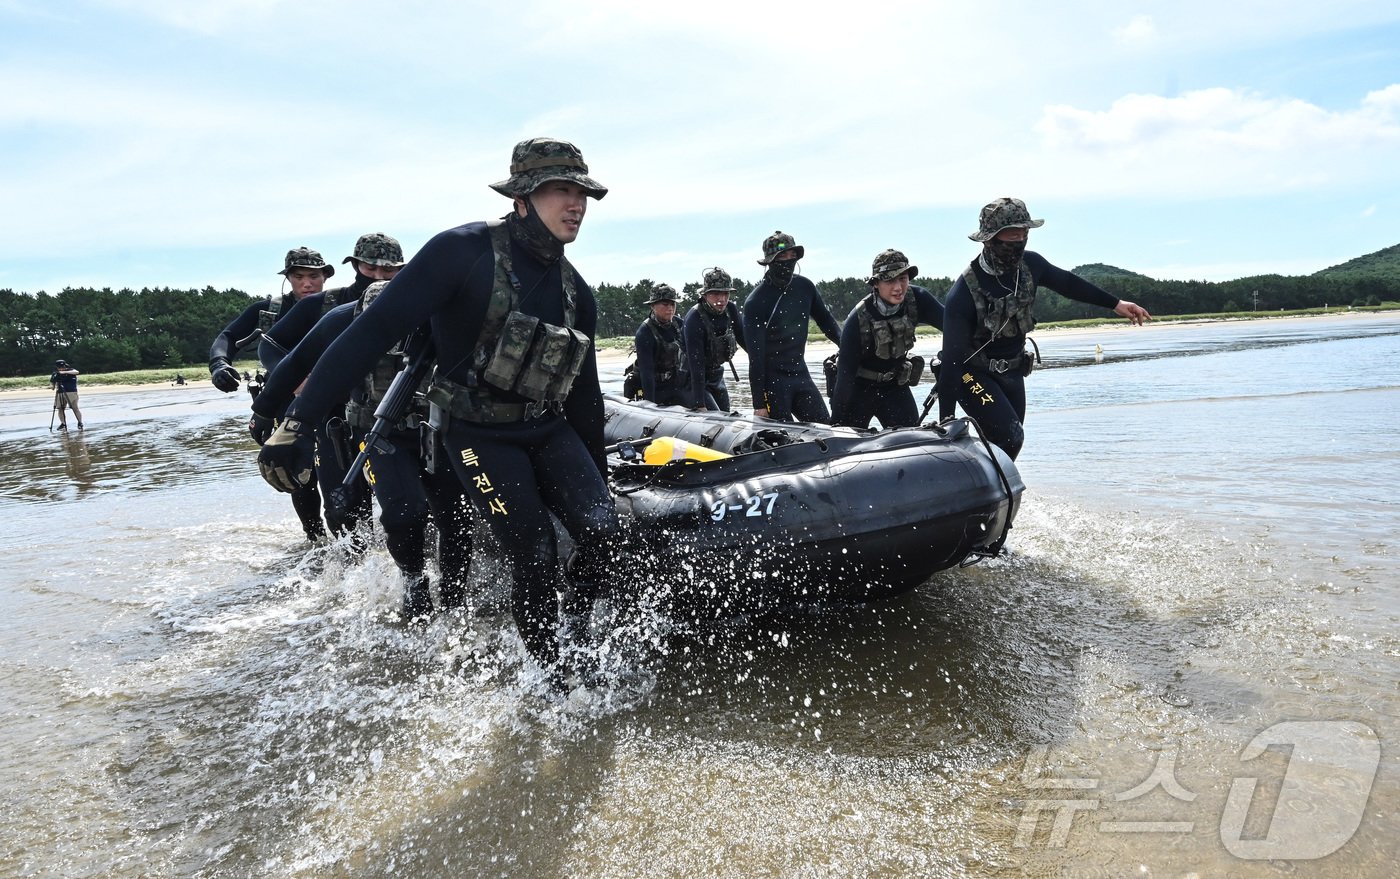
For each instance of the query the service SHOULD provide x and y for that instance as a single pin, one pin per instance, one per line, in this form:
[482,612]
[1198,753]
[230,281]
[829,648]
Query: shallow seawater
[1204,567]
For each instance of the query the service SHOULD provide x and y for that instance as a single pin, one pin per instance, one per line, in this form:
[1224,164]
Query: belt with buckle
[1000,366]
[470,404]
[871,375]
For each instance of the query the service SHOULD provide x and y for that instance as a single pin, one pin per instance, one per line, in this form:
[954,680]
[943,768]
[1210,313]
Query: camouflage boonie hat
[777,243]
[541,159]
[377,249]
[662,293]
[1004,213]
[716,280]
[372,293]
[890,264]
[305,258]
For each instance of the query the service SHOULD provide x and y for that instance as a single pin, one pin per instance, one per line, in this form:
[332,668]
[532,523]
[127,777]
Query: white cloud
[170,164]
[1218,141]
[1384,103]
[1140,30]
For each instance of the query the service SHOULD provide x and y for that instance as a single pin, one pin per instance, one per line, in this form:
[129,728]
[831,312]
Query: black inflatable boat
[801,513]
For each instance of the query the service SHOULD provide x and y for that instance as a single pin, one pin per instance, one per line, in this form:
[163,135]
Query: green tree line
[106,331]
[1257,293]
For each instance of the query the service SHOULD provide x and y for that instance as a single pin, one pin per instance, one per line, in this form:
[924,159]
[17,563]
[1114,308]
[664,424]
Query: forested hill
[1100,273]
[1381,264]
[1367,280]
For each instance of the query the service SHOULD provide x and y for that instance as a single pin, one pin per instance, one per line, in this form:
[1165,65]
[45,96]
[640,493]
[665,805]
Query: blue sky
[148,143]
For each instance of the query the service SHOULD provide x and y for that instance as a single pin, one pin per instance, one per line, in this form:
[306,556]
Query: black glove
[287,459]
[260,427]
[224,377]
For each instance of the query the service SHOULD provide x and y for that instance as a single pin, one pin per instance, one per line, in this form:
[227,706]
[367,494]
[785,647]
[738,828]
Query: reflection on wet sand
[78,463]
[123,457]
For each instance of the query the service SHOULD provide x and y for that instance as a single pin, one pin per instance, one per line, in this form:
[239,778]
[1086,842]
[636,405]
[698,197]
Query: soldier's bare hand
[1132,311]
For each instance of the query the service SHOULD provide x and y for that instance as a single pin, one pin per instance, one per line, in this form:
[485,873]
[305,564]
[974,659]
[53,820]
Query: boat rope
[656,473]
[994,549]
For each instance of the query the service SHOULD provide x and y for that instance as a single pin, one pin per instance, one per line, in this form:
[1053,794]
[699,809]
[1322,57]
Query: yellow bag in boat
[663,449]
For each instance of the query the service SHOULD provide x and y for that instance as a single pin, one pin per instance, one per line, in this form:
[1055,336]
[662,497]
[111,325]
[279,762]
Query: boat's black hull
[836,514]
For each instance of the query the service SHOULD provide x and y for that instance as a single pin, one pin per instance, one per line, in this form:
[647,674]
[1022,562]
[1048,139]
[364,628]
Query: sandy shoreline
[84,390]
[616,356]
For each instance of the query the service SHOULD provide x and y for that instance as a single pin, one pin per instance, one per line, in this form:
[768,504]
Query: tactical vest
[359,411]
[364,402]
[888,338]
[667,351]
[516,352]
[331,298]
[1009,315]
[340,295]
[720,348]
[275,306]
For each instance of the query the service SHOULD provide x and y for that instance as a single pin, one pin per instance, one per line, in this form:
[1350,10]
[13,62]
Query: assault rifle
[933,365]
[420,354]
[928,403]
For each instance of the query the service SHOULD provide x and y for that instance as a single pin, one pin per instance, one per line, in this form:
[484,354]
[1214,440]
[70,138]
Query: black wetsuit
[407,494]
[225,344]
[333,449]
[857,399]
[307,499]
[776,323]
[702,331]
[293,325]
[659,373]
[515,472]
[282,381]
[997,400]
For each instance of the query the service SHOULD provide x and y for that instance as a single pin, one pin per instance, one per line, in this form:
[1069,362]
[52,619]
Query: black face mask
[533,235]
[1003,256]
[780,273]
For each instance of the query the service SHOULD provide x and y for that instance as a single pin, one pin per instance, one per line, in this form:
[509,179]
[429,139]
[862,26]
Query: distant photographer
[64,381]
